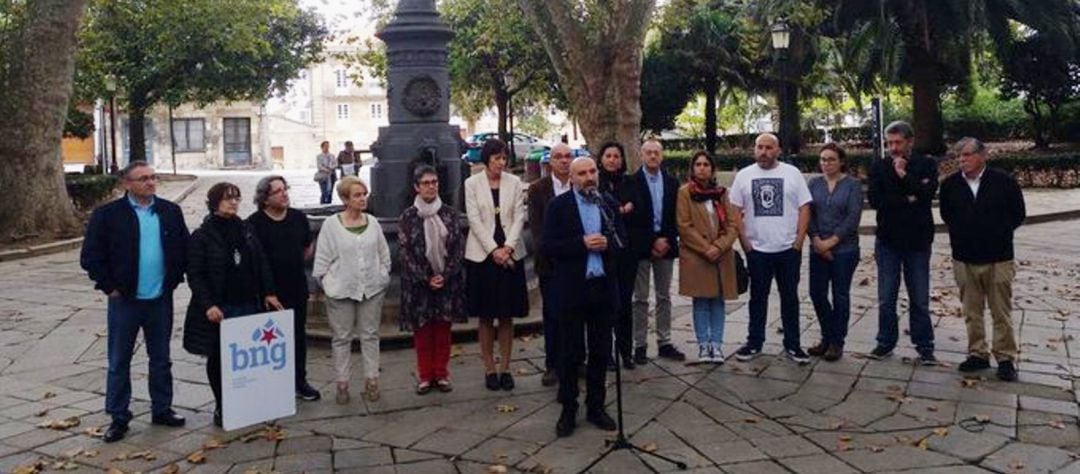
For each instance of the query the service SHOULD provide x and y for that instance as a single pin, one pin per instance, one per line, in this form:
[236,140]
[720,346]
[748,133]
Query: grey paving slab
[1027,457]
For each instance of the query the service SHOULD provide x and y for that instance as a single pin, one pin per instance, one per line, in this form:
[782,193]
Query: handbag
[321,176]
[742,276]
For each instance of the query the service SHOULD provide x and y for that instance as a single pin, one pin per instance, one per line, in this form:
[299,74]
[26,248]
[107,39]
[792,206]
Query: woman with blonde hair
[352,261]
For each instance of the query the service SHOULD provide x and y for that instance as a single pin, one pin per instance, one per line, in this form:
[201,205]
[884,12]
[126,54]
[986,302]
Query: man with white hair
[775,202]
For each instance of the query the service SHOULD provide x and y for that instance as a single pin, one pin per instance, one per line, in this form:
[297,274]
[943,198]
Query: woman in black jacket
[229,277]
[615,182]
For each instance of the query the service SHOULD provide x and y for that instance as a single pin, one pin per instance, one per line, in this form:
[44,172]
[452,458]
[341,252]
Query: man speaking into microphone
[581,234]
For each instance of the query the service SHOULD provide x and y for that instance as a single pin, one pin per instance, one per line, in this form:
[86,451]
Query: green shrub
[88,190]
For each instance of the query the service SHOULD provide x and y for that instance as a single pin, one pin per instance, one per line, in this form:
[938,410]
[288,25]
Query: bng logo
[268,348]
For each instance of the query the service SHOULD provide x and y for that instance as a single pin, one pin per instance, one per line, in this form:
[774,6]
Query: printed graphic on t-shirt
[768,196]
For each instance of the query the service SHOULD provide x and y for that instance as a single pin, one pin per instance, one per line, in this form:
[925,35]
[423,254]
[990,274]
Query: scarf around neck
[435,232]
[710,191]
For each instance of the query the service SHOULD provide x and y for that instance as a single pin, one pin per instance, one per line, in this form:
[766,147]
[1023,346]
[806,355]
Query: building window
[376,111]
[343,111]
[189,134]
[341,78]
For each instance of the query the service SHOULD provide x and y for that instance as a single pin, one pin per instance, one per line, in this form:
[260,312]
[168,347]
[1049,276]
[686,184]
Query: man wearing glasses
[135,251]
[286,239]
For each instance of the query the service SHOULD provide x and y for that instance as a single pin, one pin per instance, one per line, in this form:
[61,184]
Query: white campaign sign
[257,368]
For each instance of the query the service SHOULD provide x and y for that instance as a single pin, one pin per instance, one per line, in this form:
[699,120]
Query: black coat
[904,220]
[110,252]
[209,259]
[563,241]
[640,222]
[981,227]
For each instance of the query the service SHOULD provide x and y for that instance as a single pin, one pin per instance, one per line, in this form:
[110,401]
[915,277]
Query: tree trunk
[926,106]
[36,85]
[1038,124]
[502,101]
[711,87]
[597,58]
[136,131]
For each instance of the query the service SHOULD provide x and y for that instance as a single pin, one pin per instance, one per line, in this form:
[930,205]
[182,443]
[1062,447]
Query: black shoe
[307,393]
[628,363]
[797,355]
[491,381]
[611,365]
[747,353]
[1006,371]
[833,353]
[974,364]
[217,418]
[506,381]
[880,352]
[169,418]
[926,357]
[600,419]
[115,432]
[566,424]
[640,357]
[550,378]
[669,351]
[817,350]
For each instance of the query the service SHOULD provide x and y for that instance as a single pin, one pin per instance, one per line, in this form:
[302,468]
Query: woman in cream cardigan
[352,261]
[708,226]
[494,252]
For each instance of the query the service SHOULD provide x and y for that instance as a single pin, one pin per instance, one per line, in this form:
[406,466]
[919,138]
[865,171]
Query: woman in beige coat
[708,227]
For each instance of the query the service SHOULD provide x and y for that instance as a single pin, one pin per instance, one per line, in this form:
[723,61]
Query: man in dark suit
[654,238]
[983,206]
[540,194]
[581,234]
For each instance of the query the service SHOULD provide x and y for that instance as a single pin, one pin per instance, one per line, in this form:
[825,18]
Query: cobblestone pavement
[769,415]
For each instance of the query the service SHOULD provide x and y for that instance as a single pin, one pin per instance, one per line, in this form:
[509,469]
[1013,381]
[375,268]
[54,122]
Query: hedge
[88,190]
[1043,171]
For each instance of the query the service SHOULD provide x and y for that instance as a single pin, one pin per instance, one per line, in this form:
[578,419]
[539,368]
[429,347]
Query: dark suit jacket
[640,225]
[540,194]
[563,242]
[981,227]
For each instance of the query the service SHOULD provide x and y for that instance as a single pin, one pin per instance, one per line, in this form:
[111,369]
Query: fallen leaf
[42,413]
[90,454]
[48,395]
[171,469]
[932,408]
[650,447]
[923,444]
[982,418]
[876,449]
[521,371]
[943,432]
[69,422]
[121,457]
[752,419]
[455,351]
[968,383]
[1056,424]
[95,432]
[845,438]
[506,408]
[497,469]
[213,443]
[838,425]
[197,457]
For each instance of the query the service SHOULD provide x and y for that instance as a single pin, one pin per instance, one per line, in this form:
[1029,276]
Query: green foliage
[1046,75]
[201,51]
[78,124]
[88,190]
[533,121]
[985,114]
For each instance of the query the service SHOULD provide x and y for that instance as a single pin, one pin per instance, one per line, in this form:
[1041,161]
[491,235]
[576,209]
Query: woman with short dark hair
[494,250]
[431,243]
[229,277]
[834,232]
[614,181]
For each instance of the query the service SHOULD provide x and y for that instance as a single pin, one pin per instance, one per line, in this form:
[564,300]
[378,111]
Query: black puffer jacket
[209,259]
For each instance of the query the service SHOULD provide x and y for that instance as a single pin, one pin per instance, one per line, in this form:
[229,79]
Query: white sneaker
[717,354]
[704,353]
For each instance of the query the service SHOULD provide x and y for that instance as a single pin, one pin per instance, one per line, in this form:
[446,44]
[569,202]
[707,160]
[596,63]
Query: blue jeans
[709,320]
[551,325]
[326,187]
[833,317]
[915,265]
[784,266]
[125,318]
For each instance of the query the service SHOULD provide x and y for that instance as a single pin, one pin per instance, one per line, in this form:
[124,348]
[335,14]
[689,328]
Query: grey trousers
[660,271]
[350,319]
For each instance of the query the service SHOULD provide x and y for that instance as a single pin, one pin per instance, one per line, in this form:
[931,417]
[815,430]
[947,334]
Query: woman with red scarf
[708,227]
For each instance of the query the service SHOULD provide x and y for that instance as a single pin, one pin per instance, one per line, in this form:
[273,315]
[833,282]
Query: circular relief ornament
[422,96]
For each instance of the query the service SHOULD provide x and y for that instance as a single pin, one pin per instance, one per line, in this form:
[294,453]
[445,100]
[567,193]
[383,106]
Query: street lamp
[781,41]
[110,85]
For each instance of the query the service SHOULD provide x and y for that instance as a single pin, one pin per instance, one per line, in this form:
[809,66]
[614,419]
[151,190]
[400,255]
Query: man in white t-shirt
[775,203]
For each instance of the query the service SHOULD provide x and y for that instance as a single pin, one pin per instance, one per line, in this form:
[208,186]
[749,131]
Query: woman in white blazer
[352,261]
[494,252]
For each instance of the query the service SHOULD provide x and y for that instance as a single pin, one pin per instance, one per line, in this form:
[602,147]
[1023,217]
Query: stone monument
[418,93]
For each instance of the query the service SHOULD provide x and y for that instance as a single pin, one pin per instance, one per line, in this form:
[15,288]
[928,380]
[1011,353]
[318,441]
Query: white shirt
[974,183]
[770,200]
[560,187]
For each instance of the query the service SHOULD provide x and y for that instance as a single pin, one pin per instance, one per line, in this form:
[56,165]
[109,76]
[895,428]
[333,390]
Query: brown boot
[833,353]
[818,350]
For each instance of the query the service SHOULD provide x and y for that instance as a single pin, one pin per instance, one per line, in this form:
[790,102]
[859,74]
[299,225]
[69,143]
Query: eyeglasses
[145,179]
[429,182]
[279,191]
[231,198]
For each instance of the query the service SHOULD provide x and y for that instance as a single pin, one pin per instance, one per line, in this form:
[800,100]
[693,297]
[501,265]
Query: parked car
[544,155]
[523,145]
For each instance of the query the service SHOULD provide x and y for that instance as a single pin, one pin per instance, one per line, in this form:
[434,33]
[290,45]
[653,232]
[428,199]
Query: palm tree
[927,43]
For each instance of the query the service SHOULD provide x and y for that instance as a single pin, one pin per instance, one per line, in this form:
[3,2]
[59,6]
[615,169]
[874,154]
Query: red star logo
[268,336]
